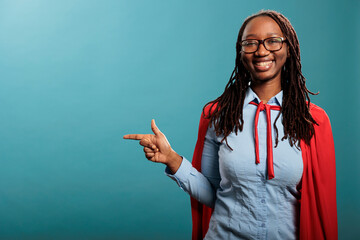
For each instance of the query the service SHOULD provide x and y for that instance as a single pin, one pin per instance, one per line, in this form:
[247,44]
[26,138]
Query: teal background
[76,75]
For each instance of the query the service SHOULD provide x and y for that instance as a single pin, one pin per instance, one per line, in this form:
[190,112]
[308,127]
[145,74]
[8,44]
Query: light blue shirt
[247,205]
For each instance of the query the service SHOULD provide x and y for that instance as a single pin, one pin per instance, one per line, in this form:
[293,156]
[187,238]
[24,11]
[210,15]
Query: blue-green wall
[76,75]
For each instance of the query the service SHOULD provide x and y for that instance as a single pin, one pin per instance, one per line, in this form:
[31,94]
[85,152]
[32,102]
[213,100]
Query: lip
[263,67]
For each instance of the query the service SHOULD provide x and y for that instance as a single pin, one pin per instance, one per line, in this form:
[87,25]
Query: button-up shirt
[247,205]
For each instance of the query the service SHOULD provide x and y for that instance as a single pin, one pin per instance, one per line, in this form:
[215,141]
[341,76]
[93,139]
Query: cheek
[282,58]
[245,62]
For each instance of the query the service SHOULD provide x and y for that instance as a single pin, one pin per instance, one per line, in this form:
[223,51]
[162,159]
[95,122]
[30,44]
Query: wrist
[174,161]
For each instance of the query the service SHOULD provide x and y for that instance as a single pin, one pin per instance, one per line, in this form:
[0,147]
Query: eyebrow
[268,34]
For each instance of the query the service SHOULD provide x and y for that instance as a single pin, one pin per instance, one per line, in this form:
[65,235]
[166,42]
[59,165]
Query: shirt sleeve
[201,185]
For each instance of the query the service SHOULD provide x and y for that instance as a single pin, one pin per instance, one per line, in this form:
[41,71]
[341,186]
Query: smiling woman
[264,59]
[244,182]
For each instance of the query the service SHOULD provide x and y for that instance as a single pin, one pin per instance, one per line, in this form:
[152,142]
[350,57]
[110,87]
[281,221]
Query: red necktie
[267,108]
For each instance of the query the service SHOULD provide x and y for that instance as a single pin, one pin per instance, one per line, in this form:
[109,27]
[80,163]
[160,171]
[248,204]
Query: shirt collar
[251,96]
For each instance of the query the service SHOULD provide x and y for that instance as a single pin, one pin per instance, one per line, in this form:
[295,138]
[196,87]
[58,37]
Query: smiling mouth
[263,64]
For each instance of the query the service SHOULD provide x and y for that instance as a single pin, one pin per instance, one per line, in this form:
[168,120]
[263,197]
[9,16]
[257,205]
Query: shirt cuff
[181,174]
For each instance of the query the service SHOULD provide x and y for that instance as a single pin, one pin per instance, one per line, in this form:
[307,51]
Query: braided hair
[227,113]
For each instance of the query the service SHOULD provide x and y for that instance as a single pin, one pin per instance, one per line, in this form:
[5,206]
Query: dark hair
[227,114]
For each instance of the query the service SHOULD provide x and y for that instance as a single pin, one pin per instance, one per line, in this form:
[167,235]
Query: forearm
[194,183]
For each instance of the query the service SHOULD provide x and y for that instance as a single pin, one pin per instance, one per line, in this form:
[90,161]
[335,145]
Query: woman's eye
[274,41]
[250,43]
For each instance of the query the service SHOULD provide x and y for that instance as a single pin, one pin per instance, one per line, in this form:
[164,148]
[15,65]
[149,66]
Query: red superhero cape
[318,215]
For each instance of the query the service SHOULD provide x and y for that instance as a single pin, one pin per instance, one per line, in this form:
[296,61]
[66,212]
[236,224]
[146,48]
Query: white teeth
[263,63]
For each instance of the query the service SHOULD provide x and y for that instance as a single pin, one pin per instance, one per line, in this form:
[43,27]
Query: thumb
[154,128]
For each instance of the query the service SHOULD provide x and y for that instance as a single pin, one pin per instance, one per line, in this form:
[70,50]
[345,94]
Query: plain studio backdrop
[76,75]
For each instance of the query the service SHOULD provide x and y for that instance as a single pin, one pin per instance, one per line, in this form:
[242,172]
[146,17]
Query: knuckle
[143,142]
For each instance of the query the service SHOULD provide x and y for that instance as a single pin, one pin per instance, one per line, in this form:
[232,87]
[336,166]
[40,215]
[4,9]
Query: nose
[262,51]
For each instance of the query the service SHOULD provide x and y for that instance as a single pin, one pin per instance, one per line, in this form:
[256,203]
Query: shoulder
[205,117]
[209,109]
[318,114]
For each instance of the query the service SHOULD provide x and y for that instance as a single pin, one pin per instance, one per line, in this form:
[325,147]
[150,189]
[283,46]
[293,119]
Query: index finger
[134,136]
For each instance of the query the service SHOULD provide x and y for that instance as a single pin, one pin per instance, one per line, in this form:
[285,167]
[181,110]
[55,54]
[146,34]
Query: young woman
[264,162]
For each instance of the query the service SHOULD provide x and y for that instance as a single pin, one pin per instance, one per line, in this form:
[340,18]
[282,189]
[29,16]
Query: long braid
[296,118]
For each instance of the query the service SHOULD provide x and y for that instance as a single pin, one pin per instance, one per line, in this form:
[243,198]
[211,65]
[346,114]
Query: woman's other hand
[157,148]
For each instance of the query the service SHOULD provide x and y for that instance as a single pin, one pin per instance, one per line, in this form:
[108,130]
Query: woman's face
[264,65]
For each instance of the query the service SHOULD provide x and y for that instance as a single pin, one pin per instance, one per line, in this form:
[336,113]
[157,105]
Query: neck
[266,90]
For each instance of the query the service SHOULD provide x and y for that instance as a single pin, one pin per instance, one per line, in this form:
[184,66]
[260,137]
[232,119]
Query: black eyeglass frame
[263,43]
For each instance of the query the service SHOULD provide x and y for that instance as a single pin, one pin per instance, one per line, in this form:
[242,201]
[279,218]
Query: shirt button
[263,225]
[262,200]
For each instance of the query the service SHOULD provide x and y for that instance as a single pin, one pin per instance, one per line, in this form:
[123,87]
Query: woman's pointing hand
[157,148]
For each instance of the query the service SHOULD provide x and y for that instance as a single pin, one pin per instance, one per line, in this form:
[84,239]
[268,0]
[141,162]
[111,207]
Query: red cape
[318,215]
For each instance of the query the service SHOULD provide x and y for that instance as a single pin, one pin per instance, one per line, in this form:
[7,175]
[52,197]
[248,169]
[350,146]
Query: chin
[259,79]
[264,77]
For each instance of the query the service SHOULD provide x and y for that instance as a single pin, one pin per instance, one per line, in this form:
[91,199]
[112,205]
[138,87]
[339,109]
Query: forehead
[261,27]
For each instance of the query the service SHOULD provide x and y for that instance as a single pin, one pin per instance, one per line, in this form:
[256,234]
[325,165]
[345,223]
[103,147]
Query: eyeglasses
[271,44]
